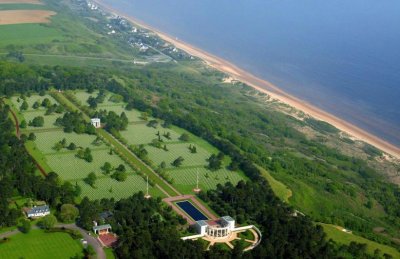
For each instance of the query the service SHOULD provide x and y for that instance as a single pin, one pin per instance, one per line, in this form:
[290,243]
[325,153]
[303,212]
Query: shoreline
[265,87]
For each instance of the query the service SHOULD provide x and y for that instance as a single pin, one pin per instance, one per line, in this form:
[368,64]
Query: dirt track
[25,16]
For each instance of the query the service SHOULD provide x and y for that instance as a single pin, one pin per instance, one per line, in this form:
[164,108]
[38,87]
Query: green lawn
[109,253]
[280,190]
[107,187]
[38,244]
[345,238]
[69,167]
[185,178]
[158,155]
[137,134]
[45,141]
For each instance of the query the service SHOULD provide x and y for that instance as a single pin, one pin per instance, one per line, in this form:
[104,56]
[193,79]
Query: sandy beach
[266,87]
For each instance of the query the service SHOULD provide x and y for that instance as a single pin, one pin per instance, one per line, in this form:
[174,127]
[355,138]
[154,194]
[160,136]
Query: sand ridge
[267,87]
[25,16]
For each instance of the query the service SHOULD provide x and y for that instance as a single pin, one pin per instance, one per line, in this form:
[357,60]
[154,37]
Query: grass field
[158,155]
[345,238]
[110,188]
[185,178]
[38,244]
[72,168]
[137,134]
[280,190]
[45,141]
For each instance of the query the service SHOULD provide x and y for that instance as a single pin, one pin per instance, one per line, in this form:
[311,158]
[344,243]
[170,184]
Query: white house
[36,212]
[96,122]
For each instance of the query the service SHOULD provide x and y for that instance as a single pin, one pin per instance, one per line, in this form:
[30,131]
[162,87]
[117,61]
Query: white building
[96,122]
[36,212]
[220,228]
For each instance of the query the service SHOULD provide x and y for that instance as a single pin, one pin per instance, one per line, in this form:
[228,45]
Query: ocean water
[342,56]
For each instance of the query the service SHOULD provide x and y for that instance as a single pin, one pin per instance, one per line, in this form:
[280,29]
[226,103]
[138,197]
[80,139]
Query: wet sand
[267,87]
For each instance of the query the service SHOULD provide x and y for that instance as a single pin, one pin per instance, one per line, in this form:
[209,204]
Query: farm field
[64,161]
[25,16]
[38,244]
[184,177]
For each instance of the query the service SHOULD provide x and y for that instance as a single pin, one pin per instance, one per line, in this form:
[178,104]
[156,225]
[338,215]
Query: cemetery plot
[137,134]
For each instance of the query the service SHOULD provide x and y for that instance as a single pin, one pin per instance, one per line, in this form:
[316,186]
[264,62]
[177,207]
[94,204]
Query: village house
[37,211]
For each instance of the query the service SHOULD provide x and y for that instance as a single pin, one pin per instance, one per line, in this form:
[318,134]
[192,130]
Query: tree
[24,106]
[119,176]
[68,213]
[36,105]
[121,168]
[37,122]
[107,167]
[23,125]
[48,221]
[184,137]
[215,162]
[92,102]
[152,123]
[178,162]
[72,146]
[25,226]
[46,103]
[32,136]
[90,179]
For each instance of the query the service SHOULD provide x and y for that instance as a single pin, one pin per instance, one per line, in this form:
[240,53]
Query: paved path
[93,241]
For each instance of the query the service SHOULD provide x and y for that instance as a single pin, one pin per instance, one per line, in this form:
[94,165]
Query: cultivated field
[25,16]
[20,2]
[38,244]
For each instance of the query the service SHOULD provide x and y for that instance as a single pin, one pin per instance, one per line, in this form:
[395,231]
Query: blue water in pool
[342,56]
[191,210]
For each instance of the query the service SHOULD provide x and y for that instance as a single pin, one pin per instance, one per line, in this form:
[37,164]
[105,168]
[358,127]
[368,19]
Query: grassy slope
[38,244]
[280,190]
[345,238]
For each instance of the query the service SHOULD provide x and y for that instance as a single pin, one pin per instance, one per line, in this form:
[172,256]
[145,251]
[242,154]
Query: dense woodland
[187,101]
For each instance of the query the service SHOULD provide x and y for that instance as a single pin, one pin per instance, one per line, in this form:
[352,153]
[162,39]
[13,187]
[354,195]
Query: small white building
[201,227]
[38,211]
[96,122]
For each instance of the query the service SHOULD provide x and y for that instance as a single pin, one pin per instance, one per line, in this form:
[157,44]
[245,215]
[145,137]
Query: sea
[342,56]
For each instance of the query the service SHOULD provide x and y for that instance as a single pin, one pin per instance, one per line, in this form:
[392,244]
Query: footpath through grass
[38,244]
[333,232]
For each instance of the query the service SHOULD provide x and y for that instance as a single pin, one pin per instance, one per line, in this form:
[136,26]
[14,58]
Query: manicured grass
[107,187]
[345,238]
[158,155]
[69,167]
[38,244]
[31,100]
[45,141]
[280,190]
[49,120]
[109,253]
[37,155]
[137,134]
[136,162]
[185,178]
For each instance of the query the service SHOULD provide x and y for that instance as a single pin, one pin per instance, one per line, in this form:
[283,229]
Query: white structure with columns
[96,122]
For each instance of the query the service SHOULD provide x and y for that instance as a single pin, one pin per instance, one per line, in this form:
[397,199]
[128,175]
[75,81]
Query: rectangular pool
[191,210]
